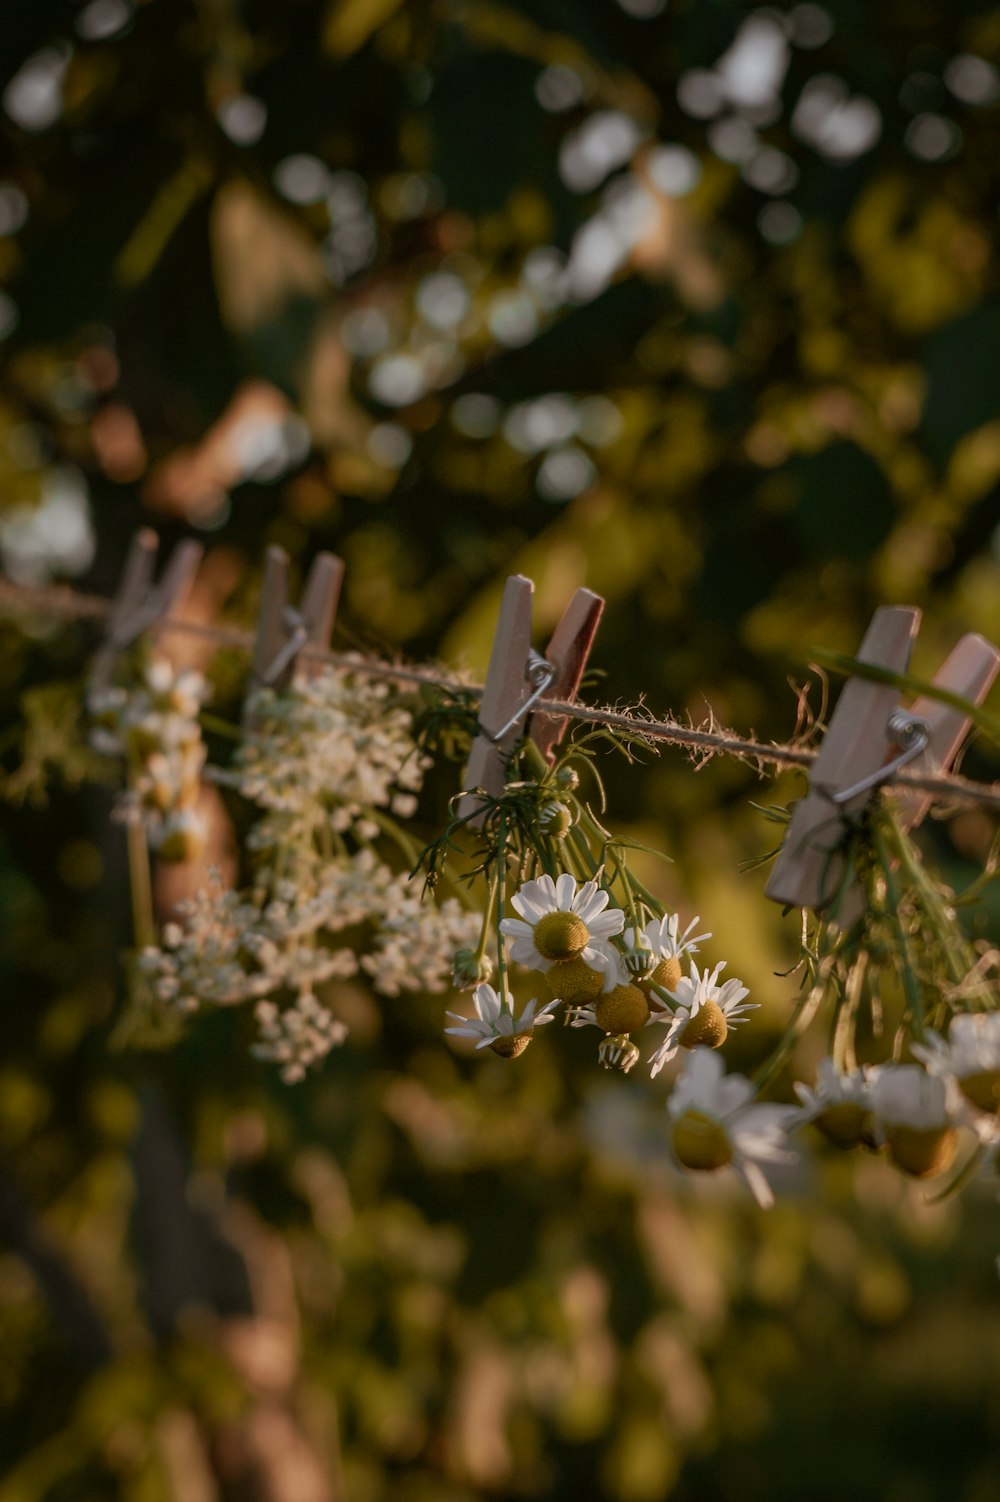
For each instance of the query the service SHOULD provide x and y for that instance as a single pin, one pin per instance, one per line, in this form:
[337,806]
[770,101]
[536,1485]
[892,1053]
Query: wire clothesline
[65,603]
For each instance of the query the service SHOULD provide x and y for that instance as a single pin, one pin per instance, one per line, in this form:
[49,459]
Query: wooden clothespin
[517,678]
[871,736]
[140,605]
[282,631]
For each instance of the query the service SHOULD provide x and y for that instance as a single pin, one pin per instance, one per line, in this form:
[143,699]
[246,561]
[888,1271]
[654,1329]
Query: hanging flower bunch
[565,907]
[150,721]
[902,978]
[329,766]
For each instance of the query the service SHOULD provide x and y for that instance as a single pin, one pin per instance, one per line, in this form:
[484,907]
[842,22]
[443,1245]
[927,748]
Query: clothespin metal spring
[539,673]
[298,637]
[911,734]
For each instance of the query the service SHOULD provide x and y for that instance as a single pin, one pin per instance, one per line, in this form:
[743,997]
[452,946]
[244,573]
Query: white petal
[604,925]
[529,910]
[513,928]
[487,1002]
[667,1049]
[541,890]
[590,901]
[756,1183]
[697,1086]
[523,952]
[731,994]
[565,891]
[733,1093]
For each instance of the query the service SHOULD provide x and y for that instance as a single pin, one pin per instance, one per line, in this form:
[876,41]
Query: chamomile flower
[839,1104]
[619,1007]
[717,1124]
[916,1117]
[655,953]
[495,1025]
[971,1057]
[704,1013]
[558,922]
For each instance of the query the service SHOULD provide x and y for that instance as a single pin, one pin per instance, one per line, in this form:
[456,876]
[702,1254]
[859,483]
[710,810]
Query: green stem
[501,907]
[626,881]
[944,930]
[484,933]
[140,885]
[843,1049]
[535,761]
[911,984]
[587,864]
[217,726]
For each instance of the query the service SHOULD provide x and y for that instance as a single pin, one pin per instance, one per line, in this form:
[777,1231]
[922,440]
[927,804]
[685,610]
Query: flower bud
[567,779]
[617,1052]
[470,969]
[639,960]
[555,820]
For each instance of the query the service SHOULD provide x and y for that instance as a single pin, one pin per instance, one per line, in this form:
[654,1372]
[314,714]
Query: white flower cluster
[335,742]
[297,1038]
[417,942]
[154,726]
[318,762]
[229,947]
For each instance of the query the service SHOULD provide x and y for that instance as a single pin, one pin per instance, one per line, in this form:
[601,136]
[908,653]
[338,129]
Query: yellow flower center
[621,1010]
[922,1151]
[845,1124]
[701,1142]
[511,1047]
[708,1028]
[575,982]
[666,974]
[560,936]
[983,1089]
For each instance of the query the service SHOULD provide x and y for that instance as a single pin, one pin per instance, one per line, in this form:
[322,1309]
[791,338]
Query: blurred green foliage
[693,303]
